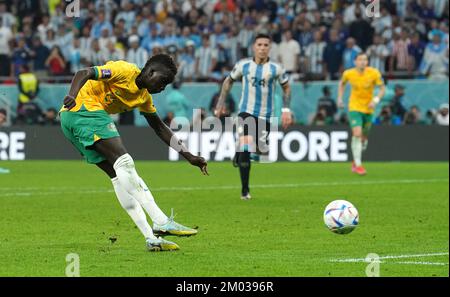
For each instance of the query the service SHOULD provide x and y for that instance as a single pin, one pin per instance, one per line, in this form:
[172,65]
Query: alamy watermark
[254,131]
[73,8]
[373,268]
[73,265]
[373,9]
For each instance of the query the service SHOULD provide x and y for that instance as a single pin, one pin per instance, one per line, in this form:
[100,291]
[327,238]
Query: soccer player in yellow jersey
[362,103]
[114,88]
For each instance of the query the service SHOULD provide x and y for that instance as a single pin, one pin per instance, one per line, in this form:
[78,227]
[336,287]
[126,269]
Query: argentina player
[259,77]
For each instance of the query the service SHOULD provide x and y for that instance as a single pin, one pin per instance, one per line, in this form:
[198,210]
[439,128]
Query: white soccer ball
[341,217]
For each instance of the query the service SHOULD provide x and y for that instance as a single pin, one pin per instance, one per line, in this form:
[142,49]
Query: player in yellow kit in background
[117,87]
[362,103]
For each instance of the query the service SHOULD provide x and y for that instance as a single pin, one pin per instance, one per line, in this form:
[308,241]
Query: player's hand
[374,102]
[69,102]
[286,119]
[340,104]
[200,162]
[220,110]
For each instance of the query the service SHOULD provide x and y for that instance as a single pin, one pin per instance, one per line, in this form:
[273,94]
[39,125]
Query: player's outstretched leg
[127,186]
[137,214]
[136,186]
[162,225]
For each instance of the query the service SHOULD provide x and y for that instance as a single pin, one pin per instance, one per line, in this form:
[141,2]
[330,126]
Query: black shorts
[259,129]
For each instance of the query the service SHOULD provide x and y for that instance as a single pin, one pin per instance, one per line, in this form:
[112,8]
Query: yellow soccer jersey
[114,90]
[363,86]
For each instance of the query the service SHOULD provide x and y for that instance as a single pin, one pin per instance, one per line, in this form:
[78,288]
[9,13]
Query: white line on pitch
[391,257]
[57,191]
[311,184]
[422,263]
[413,263]
[336,183]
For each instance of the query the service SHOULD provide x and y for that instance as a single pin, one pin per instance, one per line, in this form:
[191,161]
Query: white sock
[151,207]
[133,209]
[357,150]
[136,187]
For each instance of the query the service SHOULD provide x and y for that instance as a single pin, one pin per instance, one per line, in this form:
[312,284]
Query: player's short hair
[163,64]
[262,35]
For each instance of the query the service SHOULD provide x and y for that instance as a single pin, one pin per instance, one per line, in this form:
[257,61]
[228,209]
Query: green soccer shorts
[84,128]
[359,119]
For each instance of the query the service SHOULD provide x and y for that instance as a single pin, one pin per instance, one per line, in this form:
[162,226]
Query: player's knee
[126,172]
[357,134]
[124,162]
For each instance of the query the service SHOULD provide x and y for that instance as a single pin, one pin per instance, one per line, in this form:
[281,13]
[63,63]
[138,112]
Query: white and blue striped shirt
[258,86]
[137,56]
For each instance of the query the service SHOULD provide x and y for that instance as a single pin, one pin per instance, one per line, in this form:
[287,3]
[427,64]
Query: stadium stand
[314,39]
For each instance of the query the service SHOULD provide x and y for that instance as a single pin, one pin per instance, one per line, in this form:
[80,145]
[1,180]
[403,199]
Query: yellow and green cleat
[160,244]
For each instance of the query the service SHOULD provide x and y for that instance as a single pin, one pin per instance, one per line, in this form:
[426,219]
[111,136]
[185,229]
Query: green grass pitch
[52,208]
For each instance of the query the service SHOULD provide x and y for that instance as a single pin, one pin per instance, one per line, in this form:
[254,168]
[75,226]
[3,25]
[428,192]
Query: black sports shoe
[246,196]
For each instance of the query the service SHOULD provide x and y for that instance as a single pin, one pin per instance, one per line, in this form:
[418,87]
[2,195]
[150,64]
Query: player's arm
[78,81]
[286,114]
[379,82]
[225,90]
[341,89]
[167,135]
[380,95]
[234,75]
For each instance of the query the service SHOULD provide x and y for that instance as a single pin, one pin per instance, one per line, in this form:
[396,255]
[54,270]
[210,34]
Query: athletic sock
[244,169]
[133,209]
[151,207]
[357,150]
[135,186]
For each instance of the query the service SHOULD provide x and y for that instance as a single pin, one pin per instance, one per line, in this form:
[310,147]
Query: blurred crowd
[313,40]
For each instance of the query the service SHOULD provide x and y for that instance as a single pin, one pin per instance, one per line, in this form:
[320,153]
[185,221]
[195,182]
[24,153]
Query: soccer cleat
[246,196]
[173,228]
[159,244]
[354,167]
[360,170]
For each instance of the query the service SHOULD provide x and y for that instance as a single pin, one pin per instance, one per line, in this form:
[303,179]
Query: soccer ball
[341,217]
